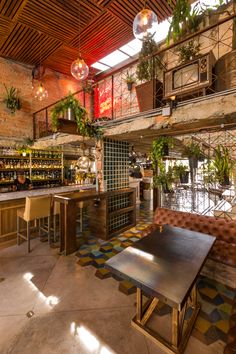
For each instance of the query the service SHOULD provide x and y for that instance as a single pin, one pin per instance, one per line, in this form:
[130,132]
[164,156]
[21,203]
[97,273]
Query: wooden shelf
[120,211]
[45,179]
[46,168]
[101,224]
[14,157]
[46,158]
[14,169]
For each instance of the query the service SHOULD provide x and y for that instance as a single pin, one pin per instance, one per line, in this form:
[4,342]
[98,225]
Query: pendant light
[79,69]
[40,93]
[145,24]
[84,161]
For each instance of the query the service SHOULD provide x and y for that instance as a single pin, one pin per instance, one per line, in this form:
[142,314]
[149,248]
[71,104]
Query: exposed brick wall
[20,124]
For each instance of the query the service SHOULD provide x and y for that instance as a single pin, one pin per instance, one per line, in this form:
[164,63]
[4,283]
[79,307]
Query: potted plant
[149,92]
[160,148]
[188,51]
[23,150]
[84,125]
[181,172]
[130,80]
[223,165]
[193,152]
[164,180]
[12,100]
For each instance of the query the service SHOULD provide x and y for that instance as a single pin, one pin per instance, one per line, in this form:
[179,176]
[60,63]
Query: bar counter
[11,201]
[7,196]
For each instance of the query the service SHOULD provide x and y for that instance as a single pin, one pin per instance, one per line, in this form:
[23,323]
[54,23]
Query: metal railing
[111,98]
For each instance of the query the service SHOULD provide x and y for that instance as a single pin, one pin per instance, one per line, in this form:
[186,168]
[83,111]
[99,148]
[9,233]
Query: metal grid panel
[116,163]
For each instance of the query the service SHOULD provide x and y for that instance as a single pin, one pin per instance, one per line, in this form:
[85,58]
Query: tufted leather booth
[224,249]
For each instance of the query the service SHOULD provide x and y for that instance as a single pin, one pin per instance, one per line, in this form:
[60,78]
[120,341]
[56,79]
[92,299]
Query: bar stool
[81,205]
[36,208]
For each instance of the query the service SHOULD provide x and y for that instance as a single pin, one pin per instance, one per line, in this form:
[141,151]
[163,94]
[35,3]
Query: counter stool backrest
[37,207]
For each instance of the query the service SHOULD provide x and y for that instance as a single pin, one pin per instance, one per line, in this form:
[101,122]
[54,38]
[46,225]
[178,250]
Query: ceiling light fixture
[40,93]
[145,24]
[79,69]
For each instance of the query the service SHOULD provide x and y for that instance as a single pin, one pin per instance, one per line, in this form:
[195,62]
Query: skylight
[135,45]
[100,66]
[114,58]
[132,47]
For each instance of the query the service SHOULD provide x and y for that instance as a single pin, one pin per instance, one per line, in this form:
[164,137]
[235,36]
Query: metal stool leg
[18,230]
[81,219]
[49,233]
[28,235]
[54,227]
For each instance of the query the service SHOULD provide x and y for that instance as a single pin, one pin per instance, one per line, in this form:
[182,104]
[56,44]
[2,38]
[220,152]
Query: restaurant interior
[117,177]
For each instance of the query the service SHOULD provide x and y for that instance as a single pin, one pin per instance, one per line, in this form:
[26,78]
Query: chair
[36,208]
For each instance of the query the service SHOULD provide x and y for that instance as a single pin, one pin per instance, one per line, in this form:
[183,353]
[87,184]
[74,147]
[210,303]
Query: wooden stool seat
[36,208]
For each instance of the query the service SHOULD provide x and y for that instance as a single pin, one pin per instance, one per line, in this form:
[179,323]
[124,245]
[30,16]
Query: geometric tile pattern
[216,299]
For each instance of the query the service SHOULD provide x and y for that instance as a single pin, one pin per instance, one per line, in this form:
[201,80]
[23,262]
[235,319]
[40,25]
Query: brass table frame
[181,328]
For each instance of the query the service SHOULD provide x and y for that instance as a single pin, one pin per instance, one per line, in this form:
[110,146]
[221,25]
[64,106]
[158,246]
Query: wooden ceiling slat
[98,26]
[9,9]
[25,44]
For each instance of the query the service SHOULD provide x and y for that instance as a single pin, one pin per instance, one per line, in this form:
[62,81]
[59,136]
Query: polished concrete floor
[49,304]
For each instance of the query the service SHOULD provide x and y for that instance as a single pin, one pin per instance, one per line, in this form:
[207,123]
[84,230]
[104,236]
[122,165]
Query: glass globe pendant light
[145,24]
[41,93]
[79,69]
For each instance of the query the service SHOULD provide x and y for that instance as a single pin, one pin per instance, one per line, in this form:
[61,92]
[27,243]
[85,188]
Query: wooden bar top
[90,194]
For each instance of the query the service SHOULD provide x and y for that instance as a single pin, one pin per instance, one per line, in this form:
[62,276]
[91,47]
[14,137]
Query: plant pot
[226,181]
[165,189]
[193,162]
[184,177]
[149,95]
[166,150]
[67,126]
[225,70]
[129,86]
[70,115]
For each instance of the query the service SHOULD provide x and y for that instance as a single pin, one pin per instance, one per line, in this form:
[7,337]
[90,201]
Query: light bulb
[84,162]
[41,93]
[145,24]
[79,69]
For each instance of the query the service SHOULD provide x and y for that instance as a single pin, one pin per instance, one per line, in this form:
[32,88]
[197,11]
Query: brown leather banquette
[224,249]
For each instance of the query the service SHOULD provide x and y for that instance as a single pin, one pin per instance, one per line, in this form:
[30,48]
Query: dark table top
[164,264]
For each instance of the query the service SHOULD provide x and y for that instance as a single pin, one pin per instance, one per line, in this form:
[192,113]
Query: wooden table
[100,215]
[164,266]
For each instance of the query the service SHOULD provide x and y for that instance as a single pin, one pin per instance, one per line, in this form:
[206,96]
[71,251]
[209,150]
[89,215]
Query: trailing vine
[84,125]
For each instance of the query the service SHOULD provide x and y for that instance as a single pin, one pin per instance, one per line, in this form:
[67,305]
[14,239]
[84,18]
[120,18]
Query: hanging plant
[12,100]
[184,20]
[84,126]
[130,80]
[188,51]
[160,148]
